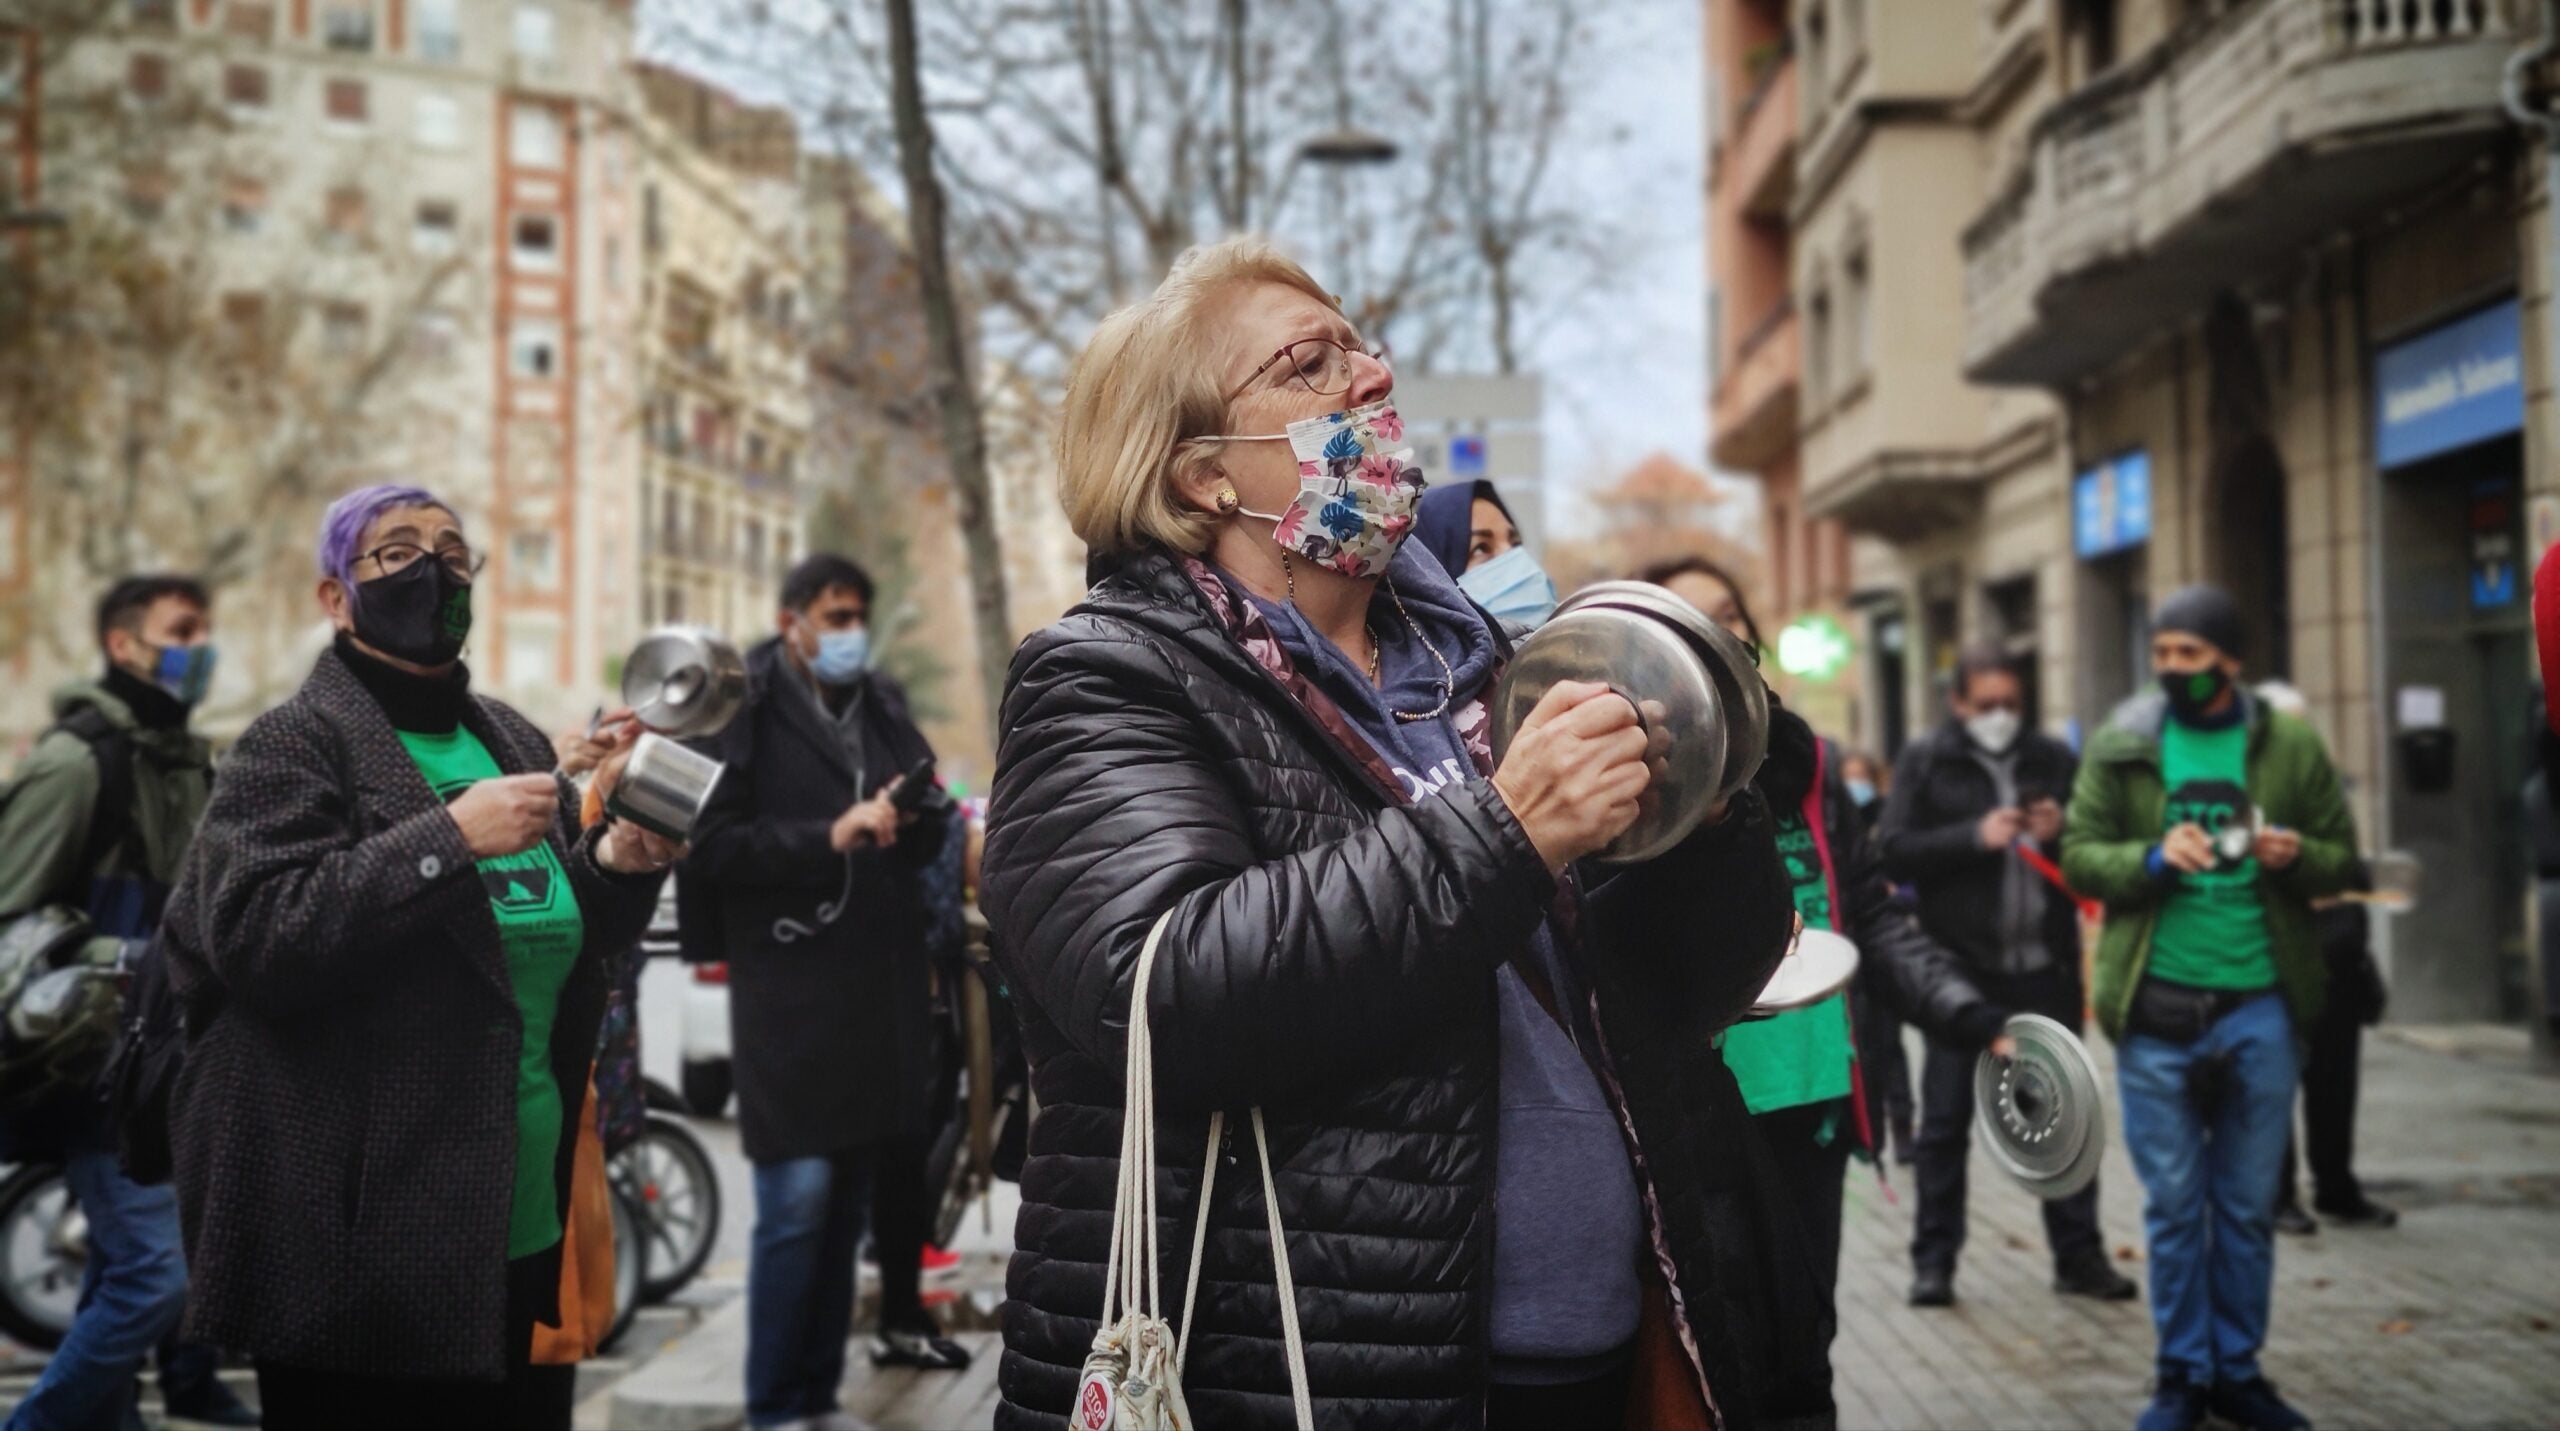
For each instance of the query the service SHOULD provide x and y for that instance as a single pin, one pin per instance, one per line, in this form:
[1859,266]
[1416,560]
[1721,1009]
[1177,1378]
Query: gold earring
[1228,501]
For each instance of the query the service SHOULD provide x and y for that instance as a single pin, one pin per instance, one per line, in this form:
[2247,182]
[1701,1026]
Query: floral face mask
[1357,486]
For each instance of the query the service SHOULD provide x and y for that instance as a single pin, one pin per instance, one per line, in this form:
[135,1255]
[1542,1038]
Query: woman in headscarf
[1468,530]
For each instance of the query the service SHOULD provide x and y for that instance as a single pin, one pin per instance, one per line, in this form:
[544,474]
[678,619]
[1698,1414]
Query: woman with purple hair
[390,940]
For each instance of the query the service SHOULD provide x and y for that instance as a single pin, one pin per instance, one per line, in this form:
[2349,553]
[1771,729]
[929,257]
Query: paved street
[2453,1319]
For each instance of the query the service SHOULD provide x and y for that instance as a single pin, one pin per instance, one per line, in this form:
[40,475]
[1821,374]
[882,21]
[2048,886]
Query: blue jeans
[130,1297]
[810,1214]
[2210,1187]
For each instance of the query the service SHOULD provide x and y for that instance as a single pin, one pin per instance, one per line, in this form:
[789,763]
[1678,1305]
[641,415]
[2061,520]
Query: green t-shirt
[2213,928]
[1800,1056]
[540,929]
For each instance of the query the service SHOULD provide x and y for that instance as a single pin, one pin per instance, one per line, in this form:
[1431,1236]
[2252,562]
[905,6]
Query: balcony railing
[2361,100]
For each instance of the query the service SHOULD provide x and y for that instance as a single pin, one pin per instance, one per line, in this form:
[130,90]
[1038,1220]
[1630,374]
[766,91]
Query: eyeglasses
[1320,365]
[394,557]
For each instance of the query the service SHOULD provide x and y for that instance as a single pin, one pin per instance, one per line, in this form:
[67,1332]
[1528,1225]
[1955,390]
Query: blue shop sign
[2111,506]
[2449,387]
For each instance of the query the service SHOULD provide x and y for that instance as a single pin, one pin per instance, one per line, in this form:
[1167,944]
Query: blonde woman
[1487,1081]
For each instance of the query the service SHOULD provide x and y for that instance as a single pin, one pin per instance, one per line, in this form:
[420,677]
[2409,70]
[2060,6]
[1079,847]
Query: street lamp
[1344,147]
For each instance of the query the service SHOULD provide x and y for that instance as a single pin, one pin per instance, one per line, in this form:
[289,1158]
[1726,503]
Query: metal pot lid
[2043,1113]
[684,681]
[1739,684]
[1653,664]
[1818,964]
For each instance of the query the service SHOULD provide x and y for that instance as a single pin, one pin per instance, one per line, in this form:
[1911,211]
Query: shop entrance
[2458,661]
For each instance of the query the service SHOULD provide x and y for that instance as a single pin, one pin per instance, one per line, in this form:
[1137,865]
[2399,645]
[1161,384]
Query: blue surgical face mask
[842,656]
[1512,587]
[1862,793]
[185,672]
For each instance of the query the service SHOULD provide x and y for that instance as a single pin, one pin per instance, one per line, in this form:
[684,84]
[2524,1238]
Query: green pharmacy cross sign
[1813,647]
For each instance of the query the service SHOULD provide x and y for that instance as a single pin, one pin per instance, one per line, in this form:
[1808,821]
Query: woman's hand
[586,747]
[506,816]
[1576,775]
[627,849]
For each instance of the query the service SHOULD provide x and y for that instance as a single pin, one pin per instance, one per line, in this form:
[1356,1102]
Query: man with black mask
[1973,826]
[97,821]
[812,871]
[2208,823]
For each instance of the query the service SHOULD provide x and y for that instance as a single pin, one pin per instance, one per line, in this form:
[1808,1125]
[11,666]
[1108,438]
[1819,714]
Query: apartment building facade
[2283,262]
[424,208]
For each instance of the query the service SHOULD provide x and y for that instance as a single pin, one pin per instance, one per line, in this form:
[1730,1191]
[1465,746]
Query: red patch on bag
[1093,1403]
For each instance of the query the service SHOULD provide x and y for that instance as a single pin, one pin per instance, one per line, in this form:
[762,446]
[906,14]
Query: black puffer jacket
[1899,965]
[1332,958]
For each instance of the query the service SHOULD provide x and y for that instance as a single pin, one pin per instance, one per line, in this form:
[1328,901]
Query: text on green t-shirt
[2212,932]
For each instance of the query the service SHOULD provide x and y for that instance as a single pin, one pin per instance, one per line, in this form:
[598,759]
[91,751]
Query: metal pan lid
[1652,663]
[2043,1113]
[1818,964]
[1739,684]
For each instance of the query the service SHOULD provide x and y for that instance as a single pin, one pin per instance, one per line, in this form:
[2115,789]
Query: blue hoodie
[1568,1226]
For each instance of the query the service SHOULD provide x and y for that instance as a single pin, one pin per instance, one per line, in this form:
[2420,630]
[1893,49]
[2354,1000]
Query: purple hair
[343,526]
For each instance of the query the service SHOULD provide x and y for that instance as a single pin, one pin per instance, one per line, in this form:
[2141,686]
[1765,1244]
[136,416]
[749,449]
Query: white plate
[1821,964]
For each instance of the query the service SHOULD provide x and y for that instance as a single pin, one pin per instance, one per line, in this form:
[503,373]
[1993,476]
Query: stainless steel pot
[684,681]
[664,788]
[1686,676]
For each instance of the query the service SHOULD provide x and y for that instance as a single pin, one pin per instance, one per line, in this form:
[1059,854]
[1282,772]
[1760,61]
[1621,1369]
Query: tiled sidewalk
[2451,1319]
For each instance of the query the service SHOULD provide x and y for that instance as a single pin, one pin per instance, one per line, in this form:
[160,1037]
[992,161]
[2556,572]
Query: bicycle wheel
[630,1264]
[44,1252]
[669,1172]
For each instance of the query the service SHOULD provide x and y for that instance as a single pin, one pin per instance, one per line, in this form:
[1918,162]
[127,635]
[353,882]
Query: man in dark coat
[814,879]
[1971,802]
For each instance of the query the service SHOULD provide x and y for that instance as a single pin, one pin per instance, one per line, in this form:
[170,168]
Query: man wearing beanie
[2208,824]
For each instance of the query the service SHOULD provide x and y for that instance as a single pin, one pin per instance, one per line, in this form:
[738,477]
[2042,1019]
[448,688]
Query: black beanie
[2207,611]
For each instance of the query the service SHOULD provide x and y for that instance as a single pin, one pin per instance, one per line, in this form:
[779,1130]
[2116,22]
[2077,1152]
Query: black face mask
[2190,693]
[420,613]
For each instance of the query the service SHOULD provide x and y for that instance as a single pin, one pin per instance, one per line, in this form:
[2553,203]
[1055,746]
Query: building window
[146,192]
[249,22]
[1817,350]
[348,102]
[244,205]
[436,230]
[152,14]
[533,349]
[533,653]
[437,32]
[1856,320]
[537,241]
[671,528]
[348,28]
[533,137]
[1817,62]
[751,543]
[342,329]
[146,77]
[346,214]
[534,32]
[532,559]
[436,339]
[672,608]
[653,233]
[244,87]
[705,533]
[439,121]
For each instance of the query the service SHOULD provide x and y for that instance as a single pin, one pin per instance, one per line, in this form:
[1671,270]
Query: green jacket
[45,809]
[2116,812]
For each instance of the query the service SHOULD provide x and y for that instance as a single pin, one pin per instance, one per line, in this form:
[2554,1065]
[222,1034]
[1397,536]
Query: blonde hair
[1148,385]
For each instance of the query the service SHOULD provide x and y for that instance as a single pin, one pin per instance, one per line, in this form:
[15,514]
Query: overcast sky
[1627,370]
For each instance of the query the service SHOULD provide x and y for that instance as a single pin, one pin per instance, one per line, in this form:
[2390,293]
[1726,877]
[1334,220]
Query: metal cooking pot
[1686,676]
[664,788]
[684,681]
